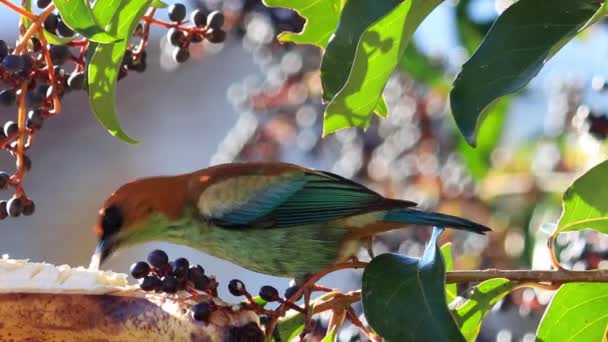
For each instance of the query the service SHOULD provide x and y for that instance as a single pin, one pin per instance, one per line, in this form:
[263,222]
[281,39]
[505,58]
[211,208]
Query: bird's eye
[111,220]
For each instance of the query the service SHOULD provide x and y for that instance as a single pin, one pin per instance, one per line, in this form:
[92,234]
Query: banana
[44,302]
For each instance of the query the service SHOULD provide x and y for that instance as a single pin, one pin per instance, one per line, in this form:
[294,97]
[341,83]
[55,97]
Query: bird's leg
[307,315]
[370,247]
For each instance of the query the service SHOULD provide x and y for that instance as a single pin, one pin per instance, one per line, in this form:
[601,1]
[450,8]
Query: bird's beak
[103,250]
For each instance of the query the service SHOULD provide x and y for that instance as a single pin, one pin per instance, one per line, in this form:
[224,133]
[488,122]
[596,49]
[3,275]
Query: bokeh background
[252,98]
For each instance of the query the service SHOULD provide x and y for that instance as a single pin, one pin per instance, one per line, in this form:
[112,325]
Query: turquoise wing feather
[305,198]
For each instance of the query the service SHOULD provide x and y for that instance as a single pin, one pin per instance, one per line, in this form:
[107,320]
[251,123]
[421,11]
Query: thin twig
[22,11]
[37,23]
[536,276]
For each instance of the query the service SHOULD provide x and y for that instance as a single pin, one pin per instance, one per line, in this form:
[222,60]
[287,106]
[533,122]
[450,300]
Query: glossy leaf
[321,16]
[403,298]
[451,290]
[376,55]
[478,159]
[331,335]
[356,17]
[577,312]
[291,325]
[159,4]
[585,202]
[56,40]
[512,53]
[79,17]
[102,73]
[470,312]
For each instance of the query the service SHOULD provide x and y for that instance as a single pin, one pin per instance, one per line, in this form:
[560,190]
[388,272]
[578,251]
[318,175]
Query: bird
[273,218]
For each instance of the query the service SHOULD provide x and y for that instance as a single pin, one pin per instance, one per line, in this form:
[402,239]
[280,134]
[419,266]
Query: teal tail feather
[413,216]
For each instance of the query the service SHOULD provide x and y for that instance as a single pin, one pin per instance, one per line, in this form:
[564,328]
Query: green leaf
[105,61]
[159,4]
[585,202]
[577,312]
[358,89]
[403,298]
[321,16]
[451,290]
[291,325]
[56,40]
[512,53]
[78,16]
[331,335]
[470,313]
[478,159]
[381,108]
[357,16]
[25,21]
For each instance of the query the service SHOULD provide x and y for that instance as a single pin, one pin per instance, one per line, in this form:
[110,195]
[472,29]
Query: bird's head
[137,211]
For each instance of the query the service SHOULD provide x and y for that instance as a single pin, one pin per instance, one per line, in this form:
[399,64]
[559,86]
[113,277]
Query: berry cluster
[205,25]
[163,276]
[36,74]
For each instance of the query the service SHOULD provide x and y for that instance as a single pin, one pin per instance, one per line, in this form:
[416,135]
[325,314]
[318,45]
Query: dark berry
[35,99]
[64,30]
[140,66]
[179,267]
[28,208]
[76,80]
[28,62]
[27,163]
[51,22]
[290,291]
[199,17]
[181,55]
[150,283]
[170,284]
[175,36]
[59,72]
[195,273]
[201,311]
[158,258]
[139,30]
[215,20]
[13,63]
[216,36]
[7,97]
[3,210]
[59,54]
[36,45]
[122,72]
[196,38]
[43,3]
[10,128]
[127,58]
[35,119]
[139,269]
[177,12]
[4,180]
[203,283]
[236,288]
[269,293]
[14,206]
[3,49]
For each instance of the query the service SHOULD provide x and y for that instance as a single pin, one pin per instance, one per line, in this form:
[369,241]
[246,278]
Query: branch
[554,277]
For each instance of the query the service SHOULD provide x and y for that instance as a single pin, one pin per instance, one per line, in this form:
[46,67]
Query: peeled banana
[44,302]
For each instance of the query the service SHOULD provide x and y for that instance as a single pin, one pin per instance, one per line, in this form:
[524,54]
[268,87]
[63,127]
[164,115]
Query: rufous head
[134,206]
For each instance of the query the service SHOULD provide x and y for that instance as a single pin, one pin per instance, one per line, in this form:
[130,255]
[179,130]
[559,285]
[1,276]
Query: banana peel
[44,302]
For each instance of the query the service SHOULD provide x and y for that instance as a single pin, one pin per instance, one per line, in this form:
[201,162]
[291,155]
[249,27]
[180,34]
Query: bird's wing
[292,198]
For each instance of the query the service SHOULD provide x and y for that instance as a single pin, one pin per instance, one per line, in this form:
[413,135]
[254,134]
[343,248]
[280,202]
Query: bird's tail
[413,216]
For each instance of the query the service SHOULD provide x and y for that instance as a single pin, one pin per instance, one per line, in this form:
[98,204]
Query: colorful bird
[274,218]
